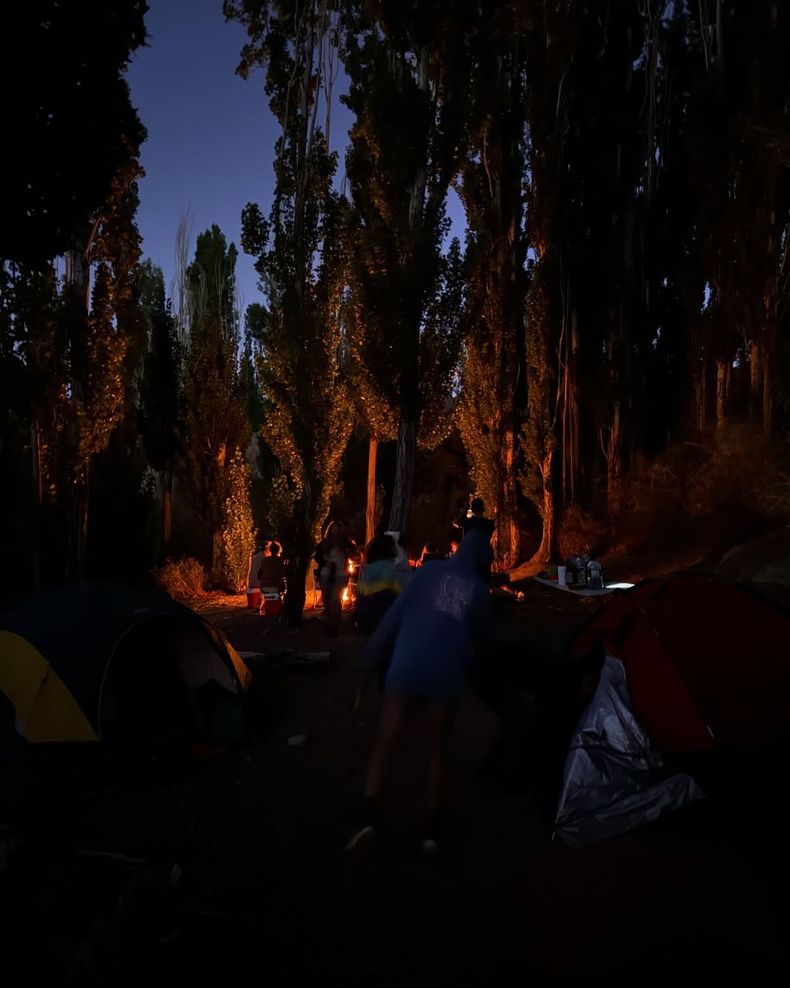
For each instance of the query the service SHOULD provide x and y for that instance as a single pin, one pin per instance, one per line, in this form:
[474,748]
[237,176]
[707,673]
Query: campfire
[348,595]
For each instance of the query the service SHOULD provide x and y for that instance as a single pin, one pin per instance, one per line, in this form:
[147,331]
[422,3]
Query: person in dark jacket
[333,556]
[477,519]
[271,571]
[427,638]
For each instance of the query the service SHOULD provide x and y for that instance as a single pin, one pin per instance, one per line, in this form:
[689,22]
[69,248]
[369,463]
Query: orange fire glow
[346,597]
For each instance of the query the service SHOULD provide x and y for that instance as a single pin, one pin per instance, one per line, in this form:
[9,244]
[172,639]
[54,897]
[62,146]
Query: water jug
[594,575]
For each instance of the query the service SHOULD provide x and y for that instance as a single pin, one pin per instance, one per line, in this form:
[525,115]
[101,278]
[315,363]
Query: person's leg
[379,766]
[440,717]
[335,607]
[390,722]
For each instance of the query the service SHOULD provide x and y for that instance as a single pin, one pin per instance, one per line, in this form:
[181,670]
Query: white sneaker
[361,837]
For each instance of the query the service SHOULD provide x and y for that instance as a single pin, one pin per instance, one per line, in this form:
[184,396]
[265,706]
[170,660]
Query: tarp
[614,779]
[695,667]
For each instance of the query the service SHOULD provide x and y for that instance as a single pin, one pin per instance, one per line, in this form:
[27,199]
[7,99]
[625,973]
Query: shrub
[181,577]
[580,532]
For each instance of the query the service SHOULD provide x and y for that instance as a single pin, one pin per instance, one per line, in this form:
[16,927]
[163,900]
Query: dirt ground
[267,892]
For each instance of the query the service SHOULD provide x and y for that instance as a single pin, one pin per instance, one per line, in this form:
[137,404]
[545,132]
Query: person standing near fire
[475,518]
[253,578]
[332,558]
[271,571]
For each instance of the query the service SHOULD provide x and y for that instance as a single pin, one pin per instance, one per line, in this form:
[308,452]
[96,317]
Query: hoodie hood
[474,553]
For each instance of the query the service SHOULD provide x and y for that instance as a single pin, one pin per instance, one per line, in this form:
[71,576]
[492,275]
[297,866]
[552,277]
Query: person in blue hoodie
[427,639]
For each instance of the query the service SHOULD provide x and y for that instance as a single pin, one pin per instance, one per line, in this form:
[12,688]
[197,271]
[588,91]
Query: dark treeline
[612,336]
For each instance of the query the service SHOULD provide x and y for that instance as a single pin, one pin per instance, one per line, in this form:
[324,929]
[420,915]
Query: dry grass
[181,578]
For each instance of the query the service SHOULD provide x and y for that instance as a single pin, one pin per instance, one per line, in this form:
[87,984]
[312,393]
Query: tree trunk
[77,278]
[768,397]
[215,568]
[38,501]
[166,480]
[405,466]
[78,529]
[370,507]
[573,417]
[299,559]
[546,548]
[614,464]
[84,507]
[721,393]
[509,525]
[756,382]
[515,542]
[701,396]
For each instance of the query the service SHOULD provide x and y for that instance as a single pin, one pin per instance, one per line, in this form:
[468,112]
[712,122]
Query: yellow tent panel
[45,709]
[244,674]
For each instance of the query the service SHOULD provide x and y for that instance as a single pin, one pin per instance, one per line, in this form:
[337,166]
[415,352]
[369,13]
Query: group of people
[383,571]
[422,625]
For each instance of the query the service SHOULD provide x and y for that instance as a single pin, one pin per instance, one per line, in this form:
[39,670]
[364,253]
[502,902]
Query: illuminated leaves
[301,256]
[238,533]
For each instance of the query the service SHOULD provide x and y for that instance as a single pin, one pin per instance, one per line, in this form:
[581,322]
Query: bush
[181,577]
[730,485]
[582,533]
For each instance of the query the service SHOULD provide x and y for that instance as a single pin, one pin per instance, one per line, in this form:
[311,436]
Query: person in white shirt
[253,579]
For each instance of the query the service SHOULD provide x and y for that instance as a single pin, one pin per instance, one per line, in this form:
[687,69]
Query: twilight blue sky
[210,134]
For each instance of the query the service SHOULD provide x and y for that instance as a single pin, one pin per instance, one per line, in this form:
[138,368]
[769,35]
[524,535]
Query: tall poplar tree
[215,419]
[407,65]
[301,260]
[491,186]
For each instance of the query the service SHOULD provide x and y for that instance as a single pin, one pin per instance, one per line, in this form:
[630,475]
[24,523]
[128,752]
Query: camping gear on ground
[576,589]
[576,571]
[287,658]
[594,575]
[122,665]
[253,597]
[696,679]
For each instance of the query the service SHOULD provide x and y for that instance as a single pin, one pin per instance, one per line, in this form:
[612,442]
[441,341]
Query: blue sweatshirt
[431,628]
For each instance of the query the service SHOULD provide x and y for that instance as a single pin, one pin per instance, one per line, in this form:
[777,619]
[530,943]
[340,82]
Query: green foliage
[407,69]
[215,419]
[73,122]
[104,396]
[491,186]
[160,384]
[302,260]
[238,533]
[538,433]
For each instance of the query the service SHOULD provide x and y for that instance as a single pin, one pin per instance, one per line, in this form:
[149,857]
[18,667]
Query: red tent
[707,662]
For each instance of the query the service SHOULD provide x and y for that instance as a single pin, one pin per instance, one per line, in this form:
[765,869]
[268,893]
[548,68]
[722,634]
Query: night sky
[210,133]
